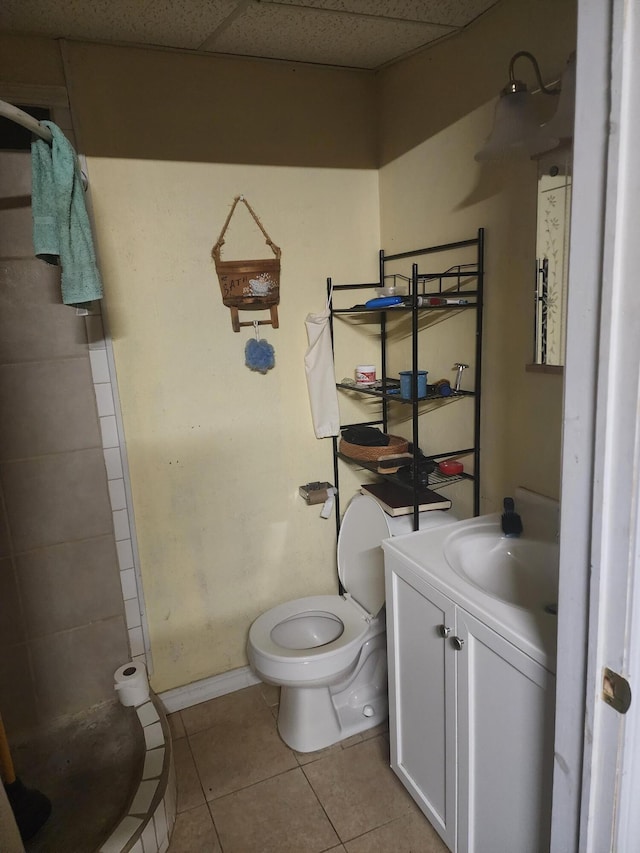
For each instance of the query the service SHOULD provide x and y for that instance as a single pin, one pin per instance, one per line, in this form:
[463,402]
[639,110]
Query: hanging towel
[318,364]
[61,229]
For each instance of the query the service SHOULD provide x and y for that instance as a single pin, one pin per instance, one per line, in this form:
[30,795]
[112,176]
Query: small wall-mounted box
[315,493]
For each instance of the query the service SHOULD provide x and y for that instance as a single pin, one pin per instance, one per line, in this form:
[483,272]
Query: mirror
[552,258]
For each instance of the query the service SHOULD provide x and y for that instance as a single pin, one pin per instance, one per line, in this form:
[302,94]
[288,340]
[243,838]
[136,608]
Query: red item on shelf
[451,466]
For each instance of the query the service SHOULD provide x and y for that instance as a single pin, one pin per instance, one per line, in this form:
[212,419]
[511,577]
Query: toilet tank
[360,559]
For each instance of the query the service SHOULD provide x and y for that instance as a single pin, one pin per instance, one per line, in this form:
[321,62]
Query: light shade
[515,125]
[559,128]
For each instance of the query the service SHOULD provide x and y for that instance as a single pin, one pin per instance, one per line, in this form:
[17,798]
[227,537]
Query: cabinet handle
[457,643]
[444,631]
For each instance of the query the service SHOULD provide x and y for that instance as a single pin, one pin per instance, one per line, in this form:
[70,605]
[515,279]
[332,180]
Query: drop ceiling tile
[171,23]
[354,33]
[310,35]
[455,13]
[185,23]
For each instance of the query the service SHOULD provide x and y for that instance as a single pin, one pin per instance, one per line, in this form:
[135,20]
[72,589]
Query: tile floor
[242,790]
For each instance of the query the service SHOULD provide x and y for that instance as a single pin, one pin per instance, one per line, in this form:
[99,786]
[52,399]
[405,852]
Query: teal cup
[405,383]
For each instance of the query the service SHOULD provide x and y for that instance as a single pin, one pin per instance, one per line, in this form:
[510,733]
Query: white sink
[519,571]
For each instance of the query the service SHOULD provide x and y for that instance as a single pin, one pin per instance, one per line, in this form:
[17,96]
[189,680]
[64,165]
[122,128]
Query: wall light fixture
[516,129]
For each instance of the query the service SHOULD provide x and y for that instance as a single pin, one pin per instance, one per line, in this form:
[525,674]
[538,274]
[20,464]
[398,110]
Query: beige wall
[30,61]
[437,109]
[172,105]
[217,452]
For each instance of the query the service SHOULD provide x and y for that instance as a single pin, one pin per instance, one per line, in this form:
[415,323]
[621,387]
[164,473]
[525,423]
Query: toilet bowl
[328,652]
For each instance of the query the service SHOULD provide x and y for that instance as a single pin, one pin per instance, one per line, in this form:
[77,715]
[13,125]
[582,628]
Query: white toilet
[328,652]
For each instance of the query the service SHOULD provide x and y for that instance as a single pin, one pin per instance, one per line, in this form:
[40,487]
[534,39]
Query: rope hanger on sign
[248,285]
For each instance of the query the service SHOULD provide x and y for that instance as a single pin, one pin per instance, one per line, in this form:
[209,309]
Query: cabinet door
[505,744]
[422,696]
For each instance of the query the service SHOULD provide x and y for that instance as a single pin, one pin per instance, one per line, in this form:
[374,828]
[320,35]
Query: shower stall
[71,611]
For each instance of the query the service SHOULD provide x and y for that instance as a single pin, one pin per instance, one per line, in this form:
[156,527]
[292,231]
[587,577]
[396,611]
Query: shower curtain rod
[20,117]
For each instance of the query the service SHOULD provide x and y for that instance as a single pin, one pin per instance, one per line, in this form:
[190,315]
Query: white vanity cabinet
[471,721]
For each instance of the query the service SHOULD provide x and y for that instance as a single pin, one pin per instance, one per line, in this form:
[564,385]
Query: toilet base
[312,718]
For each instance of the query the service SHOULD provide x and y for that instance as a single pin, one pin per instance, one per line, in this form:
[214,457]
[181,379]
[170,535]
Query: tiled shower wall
[70,612]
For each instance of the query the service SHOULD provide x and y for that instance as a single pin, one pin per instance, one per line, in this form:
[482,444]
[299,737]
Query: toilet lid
[360,559]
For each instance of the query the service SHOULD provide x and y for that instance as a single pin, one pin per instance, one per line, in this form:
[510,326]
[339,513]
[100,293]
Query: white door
[422,712]
[505,731]
[597,766]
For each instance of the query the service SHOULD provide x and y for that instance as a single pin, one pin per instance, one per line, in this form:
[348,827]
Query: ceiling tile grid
[159,22]
[352,33]
[453,13]
[305,35]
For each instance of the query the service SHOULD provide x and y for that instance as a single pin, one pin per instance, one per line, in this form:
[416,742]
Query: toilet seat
[361,610]
[350,615]
[360,558]
[327,653]
[318,664]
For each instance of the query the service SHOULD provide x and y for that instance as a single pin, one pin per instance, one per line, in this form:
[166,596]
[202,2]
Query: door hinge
[616,691]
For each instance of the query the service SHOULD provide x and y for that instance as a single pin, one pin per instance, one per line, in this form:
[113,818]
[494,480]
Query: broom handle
[7,771]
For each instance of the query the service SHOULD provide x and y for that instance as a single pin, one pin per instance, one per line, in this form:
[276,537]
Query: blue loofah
[259,355]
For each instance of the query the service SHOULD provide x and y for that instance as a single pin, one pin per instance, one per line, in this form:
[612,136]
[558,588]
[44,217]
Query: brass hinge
[616,691]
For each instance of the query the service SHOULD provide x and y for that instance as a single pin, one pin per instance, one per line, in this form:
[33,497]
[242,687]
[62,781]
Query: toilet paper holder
[315,493]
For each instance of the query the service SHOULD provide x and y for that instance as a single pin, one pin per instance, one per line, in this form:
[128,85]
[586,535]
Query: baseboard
[207,688]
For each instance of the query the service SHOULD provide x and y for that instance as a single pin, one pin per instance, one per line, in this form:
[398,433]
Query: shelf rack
[464,281]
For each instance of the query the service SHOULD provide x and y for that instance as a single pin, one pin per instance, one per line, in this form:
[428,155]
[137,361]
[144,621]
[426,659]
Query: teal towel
[61,229]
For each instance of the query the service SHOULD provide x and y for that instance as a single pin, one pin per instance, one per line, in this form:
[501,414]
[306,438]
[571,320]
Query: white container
[386,291]
[366,374]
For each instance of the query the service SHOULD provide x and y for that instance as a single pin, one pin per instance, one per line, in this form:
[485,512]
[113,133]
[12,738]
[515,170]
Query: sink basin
[520,571]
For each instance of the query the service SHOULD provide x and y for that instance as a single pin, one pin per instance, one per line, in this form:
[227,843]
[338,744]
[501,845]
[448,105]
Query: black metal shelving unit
[461,281]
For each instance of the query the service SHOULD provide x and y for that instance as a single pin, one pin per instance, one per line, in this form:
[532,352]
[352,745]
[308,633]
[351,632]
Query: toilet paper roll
[131,684]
